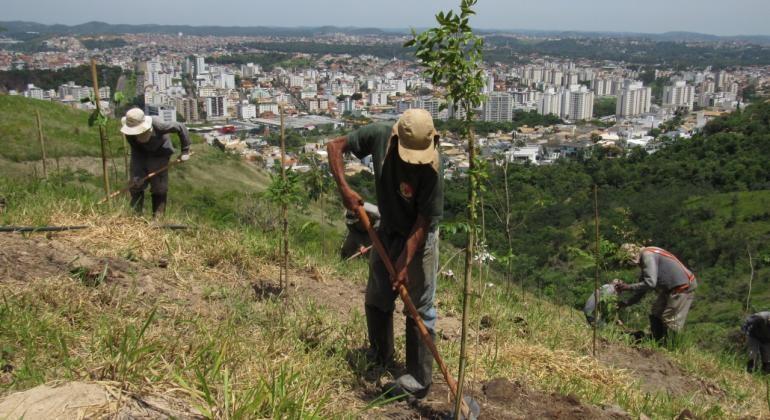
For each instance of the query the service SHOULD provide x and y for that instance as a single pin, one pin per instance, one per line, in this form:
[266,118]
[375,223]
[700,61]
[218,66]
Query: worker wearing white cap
[151,150]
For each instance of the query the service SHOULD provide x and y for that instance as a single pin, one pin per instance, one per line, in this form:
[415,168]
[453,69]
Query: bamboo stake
[102,132]
[751,279]
[596,265]
[125,157]
[468,269]
[284,280]
[42,143]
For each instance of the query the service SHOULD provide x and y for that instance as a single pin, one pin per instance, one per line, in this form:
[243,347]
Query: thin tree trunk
[42,144]
[596,266]
[751,279]
[102,132]
[284,280]
[468,263]
[508,236]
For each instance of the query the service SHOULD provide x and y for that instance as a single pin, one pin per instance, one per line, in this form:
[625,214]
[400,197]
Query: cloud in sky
[745,17]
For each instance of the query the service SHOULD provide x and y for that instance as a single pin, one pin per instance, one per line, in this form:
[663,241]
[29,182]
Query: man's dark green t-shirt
[403,190]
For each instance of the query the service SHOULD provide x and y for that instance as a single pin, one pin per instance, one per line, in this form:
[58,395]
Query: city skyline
[746,17]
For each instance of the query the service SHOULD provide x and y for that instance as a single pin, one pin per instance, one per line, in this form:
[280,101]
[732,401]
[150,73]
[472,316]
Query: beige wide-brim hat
[135,122]
[417,138]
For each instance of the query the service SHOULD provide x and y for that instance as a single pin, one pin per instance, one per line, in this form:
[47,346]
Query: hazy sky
[720,17]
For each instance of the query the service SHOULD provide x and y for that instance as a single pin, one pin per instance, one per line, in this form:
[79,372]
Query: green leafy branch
[288,192]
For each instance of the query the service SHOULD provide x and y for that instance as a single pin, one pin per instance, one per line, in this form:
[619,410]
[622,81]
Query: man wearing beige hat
[409,187]
[151,150]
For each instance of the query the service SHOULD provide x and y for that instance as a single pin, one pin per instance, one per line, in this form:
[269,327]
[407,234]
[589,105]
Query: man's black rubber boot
[137,201]
[380,328]
[658,329]
[419,365]
[158,205]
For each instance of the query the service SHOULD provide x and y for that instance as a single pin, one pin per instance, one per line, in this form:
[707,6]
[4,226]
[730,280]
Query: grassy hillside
[191,315]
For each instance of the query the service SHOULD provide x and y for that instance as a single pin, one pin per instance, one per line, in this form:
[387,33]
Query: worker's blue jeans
[422,273]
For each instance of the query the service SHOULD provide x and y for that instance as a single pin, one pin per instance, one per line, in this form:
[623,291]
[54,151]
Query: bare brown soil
[76,400]
[499,399]
[655,371]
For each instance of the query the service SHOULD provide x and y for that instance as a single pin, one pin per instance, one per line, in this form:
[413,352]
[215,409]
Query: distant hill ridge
[96,27]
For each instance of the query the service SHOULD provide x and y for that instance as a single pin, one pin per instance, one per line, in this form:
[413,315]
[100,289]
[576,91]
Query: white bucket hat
[135,122]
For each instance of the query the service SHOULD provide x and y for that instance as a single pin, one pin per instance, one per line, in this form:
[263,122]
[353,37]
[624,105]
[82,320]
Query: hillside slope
[188,320]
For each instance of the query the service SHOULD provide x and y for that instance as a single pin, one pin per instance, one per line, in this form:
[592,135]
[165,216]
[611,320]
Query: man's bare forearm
[415,241]
[336,150]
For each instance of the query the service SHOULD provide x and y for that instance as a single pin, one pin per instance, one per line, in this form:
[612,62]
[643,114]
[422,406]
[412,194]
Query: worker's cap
[630,252]
[135,122]
[417,138]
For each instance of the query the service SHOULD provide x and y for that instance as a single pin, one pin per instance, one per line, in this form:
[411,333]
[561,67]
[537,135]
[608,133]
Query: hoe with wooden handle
[466,410]
[143,180]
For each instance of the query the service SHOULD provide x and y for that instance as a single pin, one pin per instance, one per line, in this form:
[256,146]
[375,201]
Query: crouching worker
[607,304]
[757,331]
[357,240]
[151,150]
[409,187]
[672,281]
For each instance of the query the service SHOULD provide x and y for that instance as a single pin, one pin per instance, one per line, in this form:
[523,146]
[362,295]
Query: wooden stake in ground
[125,157]
[751,279]
[284,280]
[102,131]
[596,265]
[42,143]
[472,181]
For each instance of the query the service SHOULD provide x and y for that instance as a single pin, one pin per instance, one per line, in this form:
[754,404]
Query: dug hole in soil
[499,399]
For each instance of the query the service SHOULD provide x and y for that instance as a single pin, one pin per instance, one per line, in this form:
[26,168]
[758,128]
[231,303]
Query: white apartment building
[250,70]
[296,81]
[679,95]
[498,107]
[431,105]
[263,107]
[578,103]
[207,91]
[247,111]
[378,99]
[550,102]
[34,92]
[215,107]
[166,113]
[188,107]
[160,79]
[634,100]
[607,86]
[224,81]
[200,65]
[153,66]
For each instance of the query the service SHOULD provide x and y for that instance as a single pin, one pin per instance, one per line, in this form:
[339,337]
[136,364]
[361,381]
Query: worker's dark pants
[421,274]
[141,166]
[759,355]
[353,243]
[380,303]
